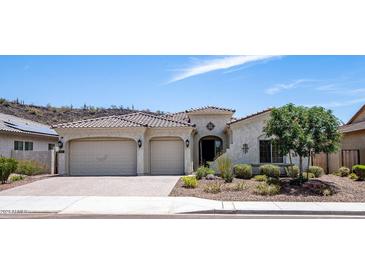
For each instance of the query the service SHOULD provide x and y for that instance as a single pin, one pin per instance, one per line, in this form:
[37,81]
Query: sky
[174,83]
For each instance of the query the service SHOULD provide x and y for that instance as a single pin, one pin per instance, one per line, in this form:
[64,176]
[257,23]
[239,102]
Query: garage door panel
[167,157]
[103,158]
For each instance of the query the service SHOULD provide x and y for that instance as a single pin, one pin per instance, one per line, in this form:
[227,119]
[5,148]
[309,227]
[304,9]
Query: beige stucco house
[177,143]
[25,139]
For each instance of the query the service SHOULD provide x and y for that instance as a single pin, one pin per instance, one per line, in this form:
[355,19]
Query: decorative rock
[210,177]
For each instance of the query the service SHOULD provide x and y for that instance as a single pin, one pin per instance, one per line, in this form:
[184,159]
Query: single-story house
[352,150]
[177,143]
[27,140]
[17,134]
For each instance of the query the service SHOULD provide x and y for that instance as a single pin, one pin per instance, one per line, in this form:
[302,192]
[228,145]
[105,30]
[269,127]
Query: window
[270,153]
[18,145]
[51,146]
[28,146]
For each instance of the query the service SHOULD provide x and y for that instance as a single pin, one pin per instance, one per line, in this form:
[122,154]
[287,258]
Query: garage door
[167,157]
[103,157]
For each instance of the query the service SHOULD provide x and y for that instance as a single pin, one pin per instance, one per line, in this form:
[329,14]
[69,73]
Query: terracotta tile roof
[178,116]
[208,109]
[250,116]
[139,119]
[352,127]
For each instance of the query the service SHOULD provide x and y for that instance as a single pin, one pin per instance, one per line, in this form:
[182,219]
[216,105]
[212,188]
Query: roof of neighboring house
[209,109]
[13,124]
[249,116]
[353,127]
[356,114]
[138,119]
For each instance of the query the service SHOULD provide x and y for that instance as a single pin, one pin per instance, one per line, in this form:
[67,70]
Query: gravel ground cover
[345,190]
[26,180]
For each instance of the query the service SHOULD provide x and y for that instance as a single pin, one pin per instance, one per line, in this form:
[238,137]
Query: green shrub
[203,171]
[327,192]
[344,171]
[359,170]
[243,171]
[336,173]
[308,175]
[273,181]
[213,188]
[353,177]
[316,170]
[292,171]
[225,168]
[190,181]
[16,177]
[30,167]
[270,171]
[260,178]
[238,186]
[267,190]
[7,167]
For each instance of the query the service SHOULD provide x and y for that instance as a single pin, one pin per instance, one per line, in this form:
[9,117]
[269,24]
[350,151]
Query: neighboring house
[352,150]
[178,143]
[20,137]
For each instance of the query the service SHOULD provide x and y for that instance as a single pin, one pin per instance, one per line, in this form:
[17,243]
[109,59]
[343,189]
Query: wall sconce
[139,143]
[60,144]
[187,142]
[245,148]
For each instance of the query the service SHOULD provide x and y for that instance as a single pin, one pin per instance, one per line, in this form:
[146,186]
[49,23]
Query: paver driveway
[97,186]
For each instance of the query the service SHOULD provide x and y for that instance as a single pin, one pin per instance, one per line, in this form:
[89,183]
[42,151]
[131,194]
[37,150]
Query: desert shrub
[238,186]
[292,171]
[336,173]
[344,171]
[243,171]
[316,170]
[359,170]
[267,190]
[30,167]
[273,181]
[16,177]
[203,171]
[213,188]
[7,167]
[224,165]
[270,171]
[319,188]
[2,101]
[327,192]
[190,181]
[308,175]
[260,178]
[353,177]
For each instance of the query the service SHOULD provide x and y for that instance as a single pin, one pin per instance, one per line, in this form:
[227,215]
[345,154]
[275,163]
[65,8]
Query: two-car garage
[118,157]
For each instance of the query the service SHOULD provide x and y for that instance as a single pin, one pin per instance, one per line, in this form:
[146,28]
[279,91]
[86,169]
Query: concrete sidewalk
[165,205]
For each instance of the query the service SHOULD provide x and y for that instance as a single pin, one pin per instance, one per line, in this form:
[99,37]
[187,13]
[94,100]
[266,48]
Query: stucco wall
[45,158]
[201,121]
[360,117]
[39,143]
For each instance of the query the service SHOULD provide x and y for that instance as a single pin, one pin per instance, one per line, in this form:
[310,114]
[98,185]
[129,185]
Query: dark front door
[208,150]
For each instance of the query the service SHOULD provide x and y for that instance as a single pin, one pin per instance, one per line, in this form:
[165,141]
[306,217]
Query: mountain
[51,115]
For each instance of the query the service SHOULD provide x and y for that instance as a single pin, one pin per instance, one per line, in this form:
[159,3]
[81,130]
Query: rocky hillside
[54,115]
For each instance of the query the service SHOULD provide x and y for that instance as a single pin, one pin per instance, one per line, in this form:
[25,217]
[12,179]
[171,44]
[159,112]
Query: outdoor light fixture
[139,143]
[187,142]
[245,148]
[60,144]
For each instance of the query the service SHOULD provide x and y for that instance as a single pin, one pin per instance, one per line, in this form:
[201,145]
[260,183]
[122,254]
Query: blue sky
[174,83]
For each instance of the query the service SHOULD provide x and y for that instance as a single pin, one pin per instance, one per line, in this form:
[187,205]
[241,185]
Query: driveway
[142,186]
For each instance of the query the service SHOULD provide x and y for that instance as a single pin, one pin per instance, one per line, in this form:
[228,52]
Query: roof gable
[250,116]
[210,110]
[358,117]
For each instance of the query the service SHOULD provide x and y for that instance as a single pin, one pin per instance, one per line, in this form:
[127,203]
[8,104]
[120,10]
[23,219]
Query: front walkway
[142,186]
[165,205]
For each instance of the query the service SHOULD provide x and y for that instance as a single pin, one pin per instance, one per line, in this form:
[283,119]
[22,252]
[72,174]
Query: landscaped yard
[346,190]
[24,181]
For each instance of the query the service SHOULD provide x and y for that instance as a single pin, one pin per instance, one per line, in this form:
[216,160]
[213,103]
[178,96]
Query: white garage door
[167,157]
[103,157]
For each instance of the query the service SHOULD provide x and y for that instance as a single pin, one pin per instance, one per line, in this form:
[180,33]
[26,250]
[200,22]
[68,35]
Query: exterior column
[188,162]
[140,156]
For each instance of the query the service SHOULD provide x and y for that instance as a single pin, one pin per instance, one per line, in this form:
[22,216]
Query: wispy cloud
[217,64]
[336,104]
[286,86]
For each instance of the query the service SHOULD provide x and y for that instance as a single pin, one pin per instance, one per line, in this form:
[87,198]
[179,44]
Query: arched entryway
[209,148]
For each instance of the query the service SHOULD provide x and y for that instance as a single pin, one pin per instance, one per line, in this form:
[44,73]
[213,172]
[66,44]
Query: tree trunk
[309,162]
[301,168]
[291,163]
